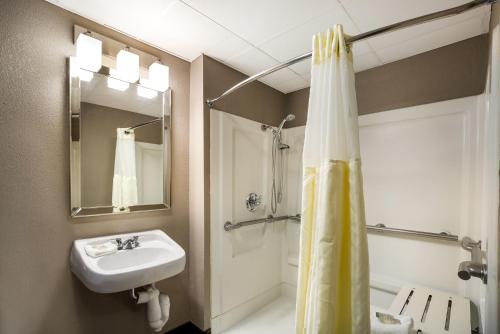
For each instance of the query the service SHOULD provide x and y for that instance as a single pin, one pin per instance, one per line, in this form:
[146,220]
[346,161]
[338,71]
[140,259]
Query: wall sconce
[89,52]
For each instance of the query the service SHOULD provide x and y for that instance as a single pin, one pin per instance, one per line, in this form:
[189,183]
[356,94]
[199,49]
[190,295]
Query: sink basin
[157,257]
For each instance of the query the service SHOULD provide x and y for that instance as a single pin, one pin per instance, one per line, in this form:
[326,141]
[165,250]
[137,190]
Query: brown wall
[98,143]
[256,101]
[450,72]
[39,293]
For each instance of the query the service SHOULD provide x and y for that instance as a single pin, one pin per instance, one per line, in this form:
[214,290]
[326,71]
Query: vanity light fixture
[127,66]
[117,84]
[159,76]
[89,52]
[146,92]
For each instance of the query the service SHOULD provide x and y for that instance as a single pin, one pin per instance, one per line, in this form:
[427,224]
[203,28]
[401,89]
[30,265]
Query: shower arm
[349,40]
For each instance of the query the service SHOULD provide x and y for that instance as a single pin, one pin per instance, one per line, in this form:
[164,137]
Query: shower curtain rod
[392,27]
[143,124]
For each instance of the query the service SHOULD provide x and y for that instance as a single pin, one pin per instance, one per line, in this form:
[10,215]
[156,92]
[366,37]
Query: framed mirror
[120,145]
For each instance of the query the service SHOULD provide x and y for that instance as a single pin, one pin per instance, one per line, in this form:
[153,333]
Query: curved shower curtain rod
[393,27]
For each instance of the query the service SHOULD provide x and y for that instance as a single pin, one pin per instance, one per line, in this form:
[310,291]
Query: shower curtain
[333,289]
[124,178]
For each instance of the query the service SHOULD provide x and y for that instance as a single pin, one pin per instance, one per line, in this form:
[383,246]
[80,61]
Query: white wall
[245,263]
[420,172]
[490,293]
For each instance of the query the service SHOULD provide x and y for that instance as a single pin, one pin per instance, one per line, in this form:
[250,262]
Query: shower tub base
[277,317]
[443,313]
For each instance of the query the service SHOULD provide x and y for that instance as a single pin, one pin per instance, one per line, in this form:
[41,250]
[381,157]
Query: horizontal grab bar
[228,226]
[379,228]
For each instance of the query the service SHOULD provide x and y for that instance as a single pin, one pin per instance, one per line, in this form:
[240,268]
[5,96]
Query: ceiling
[252,35]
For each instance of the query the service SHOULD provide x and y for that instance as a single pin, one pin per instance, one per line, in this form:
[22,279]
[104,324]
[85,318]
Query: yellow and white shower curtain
[333,289]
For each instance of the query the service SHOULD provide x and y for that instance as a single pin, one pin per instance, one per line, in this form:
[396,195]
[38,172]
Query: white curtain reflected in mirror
[125,178]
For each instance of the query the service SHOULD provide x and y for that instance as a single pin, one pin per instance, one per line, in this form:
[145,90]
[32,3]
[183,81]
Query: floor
[188,328]
[278,317]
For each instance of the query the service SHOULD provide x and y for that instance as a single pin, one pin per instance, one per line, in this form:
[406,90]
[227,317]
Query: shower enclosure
[421,173]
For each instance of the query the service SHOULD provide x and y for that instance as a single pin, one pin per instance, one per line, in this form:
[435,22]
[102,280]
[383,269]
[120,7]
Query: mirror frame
[74,121]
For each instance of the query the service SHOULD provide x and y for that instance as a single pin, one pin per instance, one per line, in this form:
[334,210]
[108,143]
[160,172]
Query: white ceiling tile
[167,24]
[307,77]
[260,20]
[227,48]
[370,14]
[365,61]
[298,40]
[403,35]
[251,61]
[433,40]
[301,68]
[285,81]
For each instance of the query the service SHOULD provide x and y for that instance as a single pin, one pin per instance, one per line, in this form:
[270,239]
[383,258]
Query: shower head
[289,117]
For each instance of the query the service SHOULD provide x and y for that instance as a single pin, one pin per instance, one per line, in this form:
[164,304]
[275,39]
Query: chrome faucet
[130,243]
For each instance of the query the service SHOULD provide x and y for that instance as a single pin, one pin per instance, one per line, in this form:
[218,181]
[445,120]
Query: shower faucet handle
[253,201]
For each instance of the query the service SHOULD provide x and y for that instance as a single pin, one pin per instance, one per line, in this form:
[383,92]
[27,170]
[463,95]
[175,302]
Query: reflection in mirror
[120,145]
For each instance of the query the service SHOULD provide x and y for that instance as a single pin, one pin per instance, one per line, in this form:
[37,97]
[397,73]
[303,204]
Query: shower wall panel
[246,263]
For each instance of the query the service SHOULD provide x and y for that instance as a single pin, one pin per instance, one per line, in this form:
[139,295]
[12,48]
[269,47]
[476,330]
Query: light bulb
[117,84]
[89,52]
[159,76]
[127,66]
[146,92]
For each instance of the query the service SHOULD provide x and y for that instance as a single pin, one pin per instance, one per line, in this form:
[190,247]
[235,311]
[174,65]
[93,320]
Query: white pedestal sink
[157,257]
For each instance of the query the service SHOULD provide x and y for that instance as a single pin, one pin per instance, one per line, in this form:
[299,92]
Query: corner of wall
[197,242]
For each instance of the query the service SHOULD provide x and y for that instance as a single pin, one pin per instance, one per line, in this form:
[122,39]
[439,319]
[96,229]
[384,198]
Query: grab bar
[228,226]
[379,228]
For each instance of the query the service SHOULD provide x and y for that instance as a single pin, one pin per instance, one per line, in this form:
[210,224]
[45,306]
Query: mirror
[119,145]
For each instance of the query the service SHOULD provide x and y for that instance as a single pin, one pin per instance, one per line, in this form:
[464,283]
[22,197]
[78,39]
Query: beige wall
[450,72]
[199,266]
[39,293]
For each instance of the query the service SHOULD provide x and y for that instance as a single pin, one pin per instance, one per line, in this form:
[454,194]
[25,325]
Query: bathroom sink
[155,258]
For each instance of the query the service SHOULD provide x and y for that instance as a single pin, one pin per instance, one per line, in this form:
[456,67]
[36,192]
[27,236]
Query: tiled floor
[278,317]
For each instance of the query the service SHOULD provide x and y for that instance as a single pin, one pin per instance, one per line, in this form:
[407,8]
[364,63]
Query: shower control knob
[253,201]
